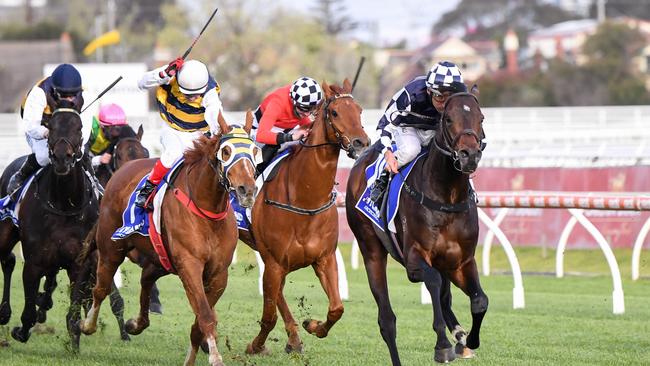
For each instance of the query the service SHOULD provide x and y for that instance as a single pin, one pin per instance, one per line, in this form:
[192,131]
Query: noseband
[77,149]
[340,137]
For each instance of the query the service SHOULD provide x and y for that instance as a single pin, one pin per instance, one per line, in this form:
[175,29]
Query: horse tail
[89,244]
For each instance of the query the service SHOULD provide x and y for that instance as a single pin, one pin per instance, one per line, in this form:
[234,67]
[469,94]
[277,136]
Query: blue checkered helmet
[306,93]
[445,77]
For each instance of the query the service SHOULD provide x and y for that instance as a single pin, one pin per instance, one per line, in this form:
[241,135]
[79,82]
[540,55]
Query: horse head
[460,131]
[127,149]
[64,139]
[343,115]
[237,155]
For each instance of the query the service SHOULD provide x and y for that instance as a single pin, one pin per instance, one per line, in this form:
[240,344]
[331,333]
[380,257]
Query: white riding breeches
[174,143]
[40,149]
[409,141]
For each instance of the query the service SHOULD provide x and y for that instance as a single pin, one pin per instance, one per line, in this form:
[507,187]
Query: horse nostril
[358,143]
[241,190]
[463,154]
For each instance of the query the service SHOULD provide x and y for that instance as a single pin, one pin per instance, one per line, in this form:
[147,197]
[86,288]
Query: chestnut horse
[58,210]
[200,248]
[437,228]
[294,221]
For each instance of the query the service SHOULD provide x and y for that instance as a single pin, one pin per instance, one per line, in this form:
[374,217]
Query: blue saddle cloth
[136,219]
[9,208]
[385,219]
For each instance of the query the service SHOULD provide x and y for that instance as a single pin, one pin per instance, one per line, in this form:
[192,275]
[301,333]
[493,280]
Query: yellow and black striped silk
[179,113]
[46,85]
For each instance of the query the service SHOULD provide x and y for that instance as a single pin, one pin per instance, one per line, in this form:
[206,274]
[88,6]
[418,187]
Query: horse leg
[433,281]
[149,275]
[294,344]
[78,281]
[457,332]
[155,306]
[327,273]
[31,280]
[44,300]
[467,279]
[191,275]
[272,279]
[8,263]
[106,268]
[117,308]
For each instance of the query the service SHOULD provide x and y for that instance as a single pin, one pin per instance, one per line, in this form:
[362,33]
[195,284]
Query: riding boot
[144,193]
[268,153]
[379,187]
[157,174]
[29,167]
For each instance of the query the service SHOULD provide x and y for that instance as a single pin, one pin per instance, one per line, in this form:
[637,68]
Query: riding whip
[356,77]
[199,35]
[104,92]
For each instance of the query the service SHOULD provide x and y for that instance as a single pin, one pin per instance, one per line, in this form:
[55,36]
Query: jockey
[281,112]
[36,110]
[189,104]
[426,96]
[108,128]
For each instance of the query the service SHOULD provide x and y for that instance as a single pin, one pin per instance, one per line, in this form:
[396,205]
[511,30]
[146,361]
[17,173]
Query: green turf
[566,321]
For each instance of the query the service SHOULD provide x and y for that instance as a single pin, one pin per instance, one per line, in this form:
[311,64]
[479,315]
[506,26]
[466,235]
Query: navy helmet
[66,80]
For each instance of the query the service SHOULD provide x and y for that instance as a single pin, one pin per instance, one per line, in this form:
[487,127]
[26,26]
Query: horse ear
[475,90]
[347,86]
[249,121]
[139,134]
[326,89]
[222,124]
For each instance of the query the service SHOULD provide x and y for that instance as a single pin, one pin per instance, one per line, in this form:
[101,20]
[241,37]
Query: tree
[618,8]
[331,16]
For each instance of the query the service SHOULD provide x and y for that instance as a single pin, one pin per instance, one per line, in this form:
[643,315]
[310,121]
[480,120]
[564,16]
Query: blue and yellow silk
[180,113]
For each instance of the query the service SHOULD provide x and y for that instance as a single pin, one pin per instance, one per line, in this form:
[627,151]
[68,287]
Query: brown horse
[439,239]
[295,223]
[126,149]
[200,249]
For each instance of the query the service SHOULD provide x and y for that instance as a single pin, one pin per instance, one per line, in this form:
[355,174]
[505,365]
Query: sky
[386,22]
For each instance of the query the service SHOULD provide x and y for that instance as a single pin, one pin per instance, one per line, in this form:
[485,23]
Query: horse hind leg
[117,308]
[433,281]
[150,273]
[106,268]
[8,264]
[327,273]
[44,300]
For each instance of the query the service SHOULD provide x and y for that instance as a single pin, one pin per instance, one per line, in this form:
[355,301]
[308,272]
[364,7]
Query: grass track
[567,321]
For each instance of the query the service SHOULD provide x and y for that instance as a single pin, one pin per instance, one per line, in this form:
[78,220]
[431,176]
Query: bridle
[112,166]
[340,137]
[78,154]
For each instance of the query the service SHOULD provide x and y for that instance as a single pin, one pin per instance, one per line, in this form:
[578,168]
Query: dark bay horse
[200,248]
[56,214]
[439,237]
[294,221]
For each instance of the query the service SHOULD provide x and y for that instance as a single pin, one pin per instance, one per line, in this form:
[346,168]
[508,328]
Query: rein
[328,122]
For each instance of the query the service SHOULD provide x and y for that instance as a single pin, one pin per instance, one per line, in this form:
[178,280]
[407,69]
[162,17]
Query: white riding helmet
[193,77]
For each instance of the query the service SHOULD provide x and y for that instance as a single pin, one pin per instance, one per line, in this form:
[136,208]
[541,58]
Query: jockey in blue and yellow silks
[188,101]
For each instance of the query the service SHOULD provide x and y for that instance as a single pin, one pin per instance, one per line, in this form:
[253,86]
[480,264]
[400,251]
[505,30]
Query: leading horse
[294,221]
[437,228]
[57,211]
[200,243]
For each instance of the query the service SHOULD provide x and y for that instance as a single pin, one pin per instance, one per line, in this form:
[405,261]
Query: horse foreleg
[433,281]
[327,273]
[31,280]
[150,274]
[191,275]
[44,300]
[294,344]
[457,332]
[467,279]
[273,276]
[8,263]
[78,280]
[106,268]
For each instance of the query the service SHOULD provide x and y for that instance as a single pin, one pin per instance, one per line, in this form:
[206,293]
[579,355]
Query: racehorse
[126,149]
[437,228]
[200,243]
[57,211]
[294,221]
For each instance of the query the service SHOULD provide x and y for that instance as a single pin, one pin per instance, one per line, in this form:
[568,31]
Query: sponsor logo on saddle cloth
[243,215]
[10,208]
[368,208]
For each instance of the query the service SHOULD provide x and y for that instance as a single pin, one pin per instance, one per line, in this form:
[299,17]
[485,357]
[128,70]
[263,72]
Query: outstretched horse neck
[314,166]
[441,177]
[204,186]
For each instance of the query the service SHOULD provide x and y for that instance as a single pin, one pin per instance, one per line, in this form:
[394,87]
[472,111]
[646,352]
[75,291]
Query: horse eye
[334,114]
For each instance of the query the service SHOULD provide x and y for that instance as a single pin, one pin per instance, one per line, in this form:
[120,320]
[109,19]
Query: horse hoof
[131,327]
[17,334]
[444,355]
[314,327]
[125,337]
[463,352]
[85,328]
[262,351]
[44,302]
[204,347]
[41,316]
[5,313]
[155,308]
[293,349]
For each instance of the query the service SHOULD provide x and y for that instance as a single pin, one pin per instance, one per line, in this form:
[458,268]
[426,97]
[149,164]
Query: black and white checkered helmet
[306,92]
[445,76]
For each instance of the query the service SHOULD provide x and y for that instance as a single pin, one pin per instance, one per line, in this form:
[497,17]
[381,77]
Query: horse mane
[203,146]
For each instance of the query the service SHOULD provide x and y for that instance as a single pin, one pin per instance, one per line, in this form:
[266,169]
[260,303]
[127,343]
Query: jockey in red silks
[284,116]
